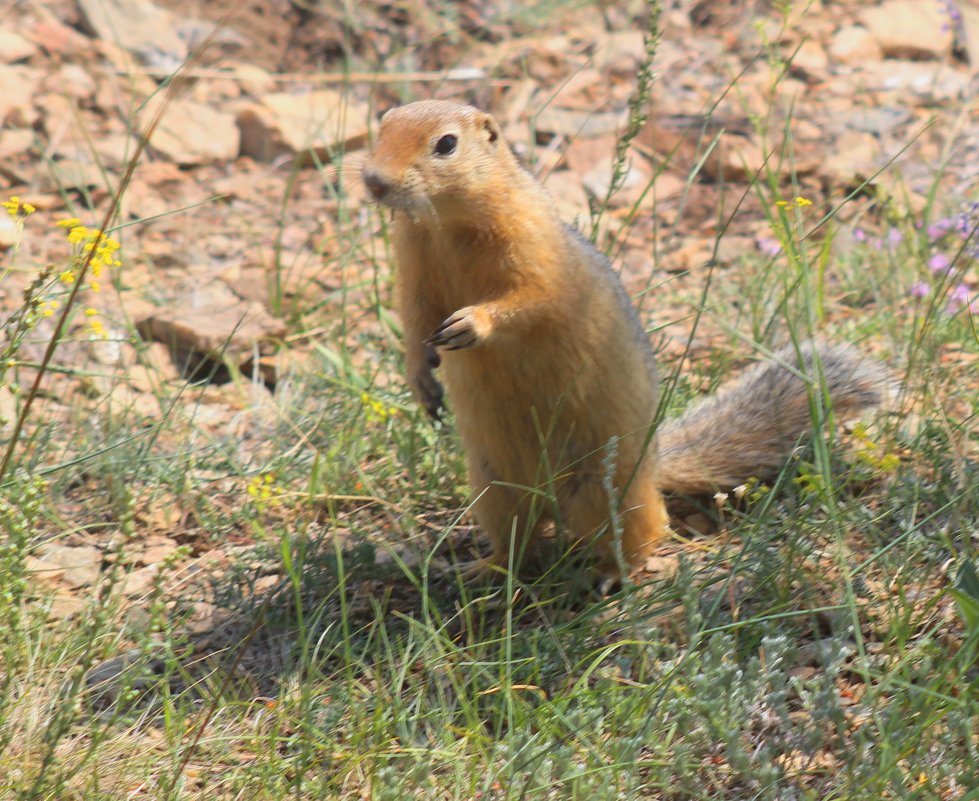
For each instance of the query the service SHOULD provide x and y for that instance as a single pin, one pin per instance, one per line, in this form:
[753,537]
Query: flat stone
[916,29]
[809,59]
[81,563]
[72,173]
[853,45]
[574,124]
[853,157]
[192,133]
[139,581]
[314,124]
[631,187]
[878,120]
[18,85]
[65,607]
[9,233]
[14,47]
[158,551]
[569,194]
[213,322]
[42,570]
[139,26]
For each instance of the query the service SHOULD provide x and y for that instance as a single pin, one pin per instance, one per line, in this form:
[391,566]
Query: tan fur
[543,355]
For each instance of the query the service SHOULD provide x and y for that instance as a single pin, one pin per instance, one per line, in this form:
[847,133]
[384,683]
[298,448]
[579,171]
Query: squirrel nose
[376,185]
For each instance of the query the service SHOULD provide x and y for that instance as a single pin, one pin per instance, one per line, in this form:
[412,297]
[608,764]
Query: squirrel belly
[549,370]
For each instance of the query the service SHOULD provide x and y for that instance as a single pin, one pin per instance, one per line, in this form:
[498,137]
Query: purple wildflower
[939,263]
[939,228]
[894,236]
[964,224]
[768,246]
[859,234]
[958,298]
[920,289]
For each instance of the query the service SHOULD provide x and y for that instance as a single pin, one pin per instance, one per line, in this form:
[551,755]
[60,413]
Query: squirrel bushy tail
[750,427]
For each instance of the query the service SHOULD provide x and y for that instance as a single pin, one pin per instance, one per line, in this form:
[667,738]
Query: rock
[914,29]
[569,194]
[632,185]
[927,81]
[9,409]
[81,563]
[139,26]
[877,120]
[15,142]
[809,60]
[14,47]
[619,51]
[122,402]
[70,80]
[42,570]
[9,234]
[58,39]
[192,133]
[732,247]
[968,33]
[17,88]
[253,80]
[737,158]
[139,581]
[65,607]
[316,123]
[853,45]
[661,565]
[157,550]
[73,174]
[572,124]
[852,159]
[212,322]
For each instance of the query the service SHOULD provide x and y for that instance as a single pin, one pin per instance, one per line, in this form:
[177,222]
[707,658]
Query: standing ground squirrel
[551,375]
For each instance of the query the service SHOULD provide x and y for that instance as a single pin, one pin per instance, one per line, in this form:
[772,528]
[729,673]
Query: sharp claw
[435,409]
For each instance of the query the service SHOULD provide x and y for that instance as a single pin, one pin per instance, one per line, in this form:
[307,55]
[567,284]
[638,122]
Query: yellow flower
[263,489]
[95,286]
[783,204]
[12,206]
[70,222]
[91,312]
[800,201]
[78,234]
[28,208]
[67,277]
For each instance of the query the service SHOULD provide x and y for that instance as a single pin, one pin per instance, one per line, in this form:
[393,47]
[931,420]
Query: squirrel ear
[491,128]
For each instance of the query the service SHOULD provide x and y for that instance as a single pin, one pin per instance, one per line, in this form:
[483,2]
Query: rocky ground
[245,222]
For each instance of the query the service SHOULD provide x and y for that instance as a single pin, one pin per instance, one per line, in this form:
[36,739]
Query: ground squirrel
[550,373]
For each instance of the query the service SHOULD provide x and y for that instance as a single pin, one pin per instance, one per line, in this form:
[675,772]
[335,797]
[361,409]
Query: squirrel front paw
[464,329]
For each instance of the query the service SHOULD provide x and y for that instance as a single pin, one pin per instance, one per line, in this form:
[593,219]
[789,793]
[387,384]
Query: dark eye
[446,145]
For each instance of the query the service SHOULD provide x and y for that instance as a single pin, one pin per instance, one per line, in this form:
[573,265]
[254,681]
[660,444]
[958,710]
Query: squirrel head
[434,156]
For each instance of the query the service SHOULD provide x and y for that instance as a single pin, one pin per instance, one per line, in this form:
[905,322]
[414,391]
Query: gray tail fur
[751,426]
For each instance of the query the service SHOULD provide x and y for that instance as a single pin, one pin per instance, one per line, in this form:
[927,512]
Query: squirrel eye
[446,145]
